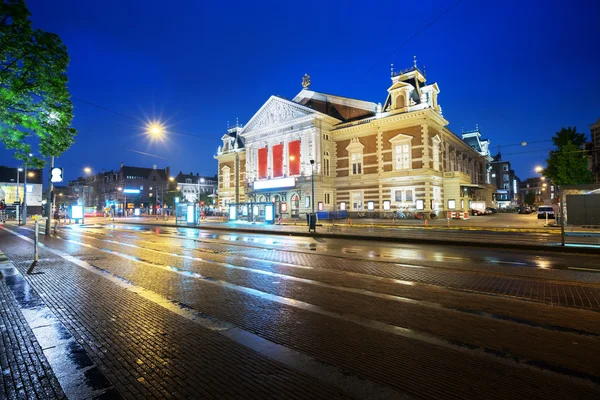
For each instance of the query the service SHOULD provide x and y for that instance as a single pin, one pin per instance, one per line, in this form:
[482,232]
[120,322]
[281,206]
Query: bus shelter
[253,212]
[186,214]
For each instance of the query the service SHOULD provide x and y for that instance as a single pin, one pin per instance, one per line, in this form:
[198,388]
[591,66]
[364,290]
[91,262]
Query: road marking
[423,303]
[509,262]
[584,269]
[341,379]
[501,356]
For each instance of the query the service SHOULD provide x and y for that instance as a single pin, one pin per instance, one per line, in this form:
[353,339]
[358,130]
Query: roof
[473,142]
[142,172]
[9,175]
[345,109]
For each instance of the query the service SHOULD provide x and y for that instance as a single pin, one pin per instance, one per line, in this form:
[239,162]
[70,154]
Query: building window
[387,205]
[505,167]
[403,195]
[506,178]
[357,200]
[356,163]
[226,177]
[326,161]
[188,181]
[451,204]
[343,205]
[327,198]
[402,156]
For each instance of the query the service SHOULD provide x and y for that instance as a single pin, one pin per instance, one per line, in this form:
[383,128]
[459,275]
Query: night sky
[519,69]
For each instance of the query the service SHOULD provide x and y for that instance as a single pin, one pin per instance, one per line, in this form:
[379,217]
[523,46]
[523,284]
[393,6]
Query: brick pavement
[553,292]
[425,367]
[149,352]
[505,336]
[26,372]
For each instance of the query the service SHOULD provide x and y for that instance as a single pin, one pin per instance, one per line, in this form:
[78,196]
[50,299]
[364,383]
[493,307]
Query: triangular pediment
[399,85]
[401,138]
[276,111]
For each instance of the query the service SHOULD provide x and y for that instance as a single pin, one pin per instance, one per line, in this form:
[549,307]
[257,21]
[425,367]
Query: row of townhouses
[135,187]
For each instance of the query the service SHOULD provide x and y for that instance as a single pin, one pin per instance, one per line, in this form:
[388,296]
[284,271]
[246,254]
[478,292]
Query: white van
[545,210]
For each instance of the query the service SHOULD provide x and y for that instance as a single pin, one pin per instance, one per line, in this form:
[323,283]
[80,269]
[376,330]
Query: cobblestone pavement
[182,313]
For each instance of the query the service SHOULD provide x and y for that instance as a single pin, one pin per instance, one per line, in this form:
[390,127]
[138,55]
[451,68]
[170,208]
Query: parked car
[525,210]
[545,210]
[491,210]
[476,212]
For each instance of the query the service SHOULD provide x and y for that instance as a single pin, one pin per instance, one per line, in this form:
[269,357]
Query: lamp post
[120,189]
[313,222]
[17,197]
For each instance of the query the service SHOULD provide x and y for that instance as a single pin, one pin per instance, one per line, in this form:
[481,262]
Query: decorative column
[380,166]
[425,141]
[270,160]
[286,158]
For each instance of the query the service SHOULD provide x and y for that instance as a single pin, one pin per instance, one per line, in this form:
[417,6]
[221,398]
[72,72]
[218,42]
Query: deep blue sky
[519,69]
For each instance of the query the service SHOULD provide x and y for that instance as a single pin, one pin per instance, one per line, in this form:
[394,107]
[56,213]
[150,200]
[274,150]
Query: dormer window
[188,180]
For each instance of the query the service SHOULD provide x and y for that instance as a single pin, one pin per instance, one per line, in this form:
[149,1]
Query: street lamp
[539,169]
[87,170]
[120,189]
[155,130]
[17,197]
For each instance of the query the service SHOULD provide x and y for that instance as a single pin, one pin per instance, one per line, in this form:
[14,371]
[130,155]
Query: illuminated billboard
[275,183]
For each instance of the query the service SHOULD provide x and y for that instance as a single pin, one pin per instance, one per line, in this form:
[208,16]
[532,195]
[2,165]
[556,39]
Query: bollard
[36,236]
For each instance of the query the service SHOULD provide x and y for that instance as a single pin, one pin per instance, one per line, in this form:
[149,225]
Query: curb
[555,248]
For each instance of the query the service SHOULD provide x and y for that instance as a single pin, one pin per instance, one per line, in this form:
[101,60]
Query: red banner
[263,156]
[278,161]
[294,150]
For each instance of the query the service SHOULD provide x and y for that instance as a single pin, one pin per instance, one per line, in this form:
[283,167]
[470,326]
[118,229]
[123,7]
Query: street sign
[56,175]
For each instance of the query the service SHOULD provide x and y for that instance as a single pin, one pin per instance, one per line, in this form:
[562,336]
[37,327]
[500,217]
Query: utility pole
[18,216]
[25,196]
[49,197]
[313,220]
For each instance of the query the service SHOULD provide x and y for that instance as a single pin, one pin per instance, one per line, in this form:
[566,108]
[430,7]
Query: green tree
[530,198]
[568,163]
[35,104]
[169,198]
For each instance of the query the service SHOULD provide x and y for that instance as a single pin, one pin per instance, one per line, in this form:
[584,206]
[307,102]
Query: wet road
[363,319]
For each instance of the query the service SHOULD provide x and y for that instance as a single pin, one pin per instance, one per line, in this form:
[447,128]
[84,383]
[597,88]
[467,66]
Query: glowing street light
[30,174]
[171,178]
[155,129]
[87,170]
[539,169]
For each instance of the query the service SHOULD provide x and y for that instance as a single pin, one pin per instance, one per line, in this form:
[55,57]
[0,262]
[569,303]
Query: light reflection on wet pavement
[495,316]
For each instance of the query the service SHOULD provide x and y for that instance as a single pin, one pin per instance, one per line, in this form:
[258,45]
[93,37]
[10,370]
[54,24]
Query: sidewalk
[584,242]
[144,345]
[26,372]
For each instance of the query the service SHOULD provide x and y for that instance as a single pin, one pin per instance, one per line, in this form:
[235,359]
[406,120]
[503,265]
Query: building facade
[128,187]
[10,192]
[196,188]
[362,156]
[506,181]
[546,193]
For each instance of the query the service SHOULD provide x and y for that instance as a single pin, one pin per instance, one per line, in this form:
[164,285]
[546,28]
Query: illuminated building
[367,156]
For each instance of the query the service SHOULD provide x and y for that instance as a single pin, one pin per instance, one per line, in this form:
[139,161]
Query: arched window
[400,101]
[226,177]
